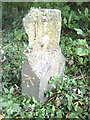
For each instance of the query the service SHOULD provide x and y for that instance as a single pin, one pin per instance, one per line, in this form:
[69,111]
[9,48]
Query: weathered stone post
[43,27]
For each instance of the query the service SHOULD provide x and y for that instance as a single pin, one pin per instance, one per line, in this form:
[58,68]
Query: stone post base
[38,69]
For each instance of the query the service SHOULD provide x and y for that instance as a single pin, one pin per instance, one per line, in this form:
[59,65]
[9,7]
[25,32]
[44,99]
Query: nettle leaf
[81,52]
[79,31]
[73,115]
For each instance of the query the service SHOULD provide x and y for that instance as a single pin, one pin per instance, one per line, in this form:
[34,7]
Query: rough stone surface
[43,27]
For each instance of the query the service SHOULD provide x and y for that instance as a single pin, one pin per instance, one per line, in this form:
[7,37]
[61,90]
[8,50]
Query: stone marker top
[43,27]
[35,13]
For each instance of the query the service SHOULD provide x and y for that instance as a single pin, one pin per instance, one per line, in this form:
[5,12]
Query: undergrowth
[70,98]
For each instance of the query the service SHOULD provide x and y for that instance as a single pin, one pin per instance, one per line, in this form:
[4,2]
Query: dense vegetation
[70,98]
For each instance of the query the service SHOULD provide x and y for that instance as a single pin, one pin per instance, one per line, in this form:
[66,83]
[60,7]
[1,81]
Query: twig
[80,77]
[7,45]
[3,59]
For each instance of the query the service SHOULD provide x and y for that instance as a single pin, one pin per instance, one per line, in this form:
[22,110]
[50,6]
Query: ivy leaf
[53,109]
[65,21]
[79,110]
[73,115]
[81,52]
[59,114]
[79,3]
[1,99]
[86,12]
[34,100]
[3,104]
[11,90]
[51,81]
[69,101]
[79,31]
[6,90]
[82,42]
[16,107]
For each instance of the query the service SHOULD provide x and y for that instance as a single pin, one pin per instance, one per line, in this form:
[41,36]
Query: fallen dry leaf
[1,117]
[58,102]
[67,115]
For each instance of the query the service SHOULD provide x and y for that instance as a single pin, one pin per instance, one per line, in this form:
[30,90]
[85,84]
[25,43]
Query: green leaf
[10,102]
[82,42]
[69,101]
[57,78]
[1,99]
[10,111]
[51,81]
[81,83]
[73,115]
[69,20]
[89,50]
[16,107]
[3,104]
[79,3]
[88,116]
[80,59]
[53,108]
[65,21]
[79,31]
[53,86]
[34,100]
[79,11]
[6,90]
[81,52]
[60,86]
[11,90]
[59,114]
[86,12]
[79,110]
[28,101]
[9,96]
